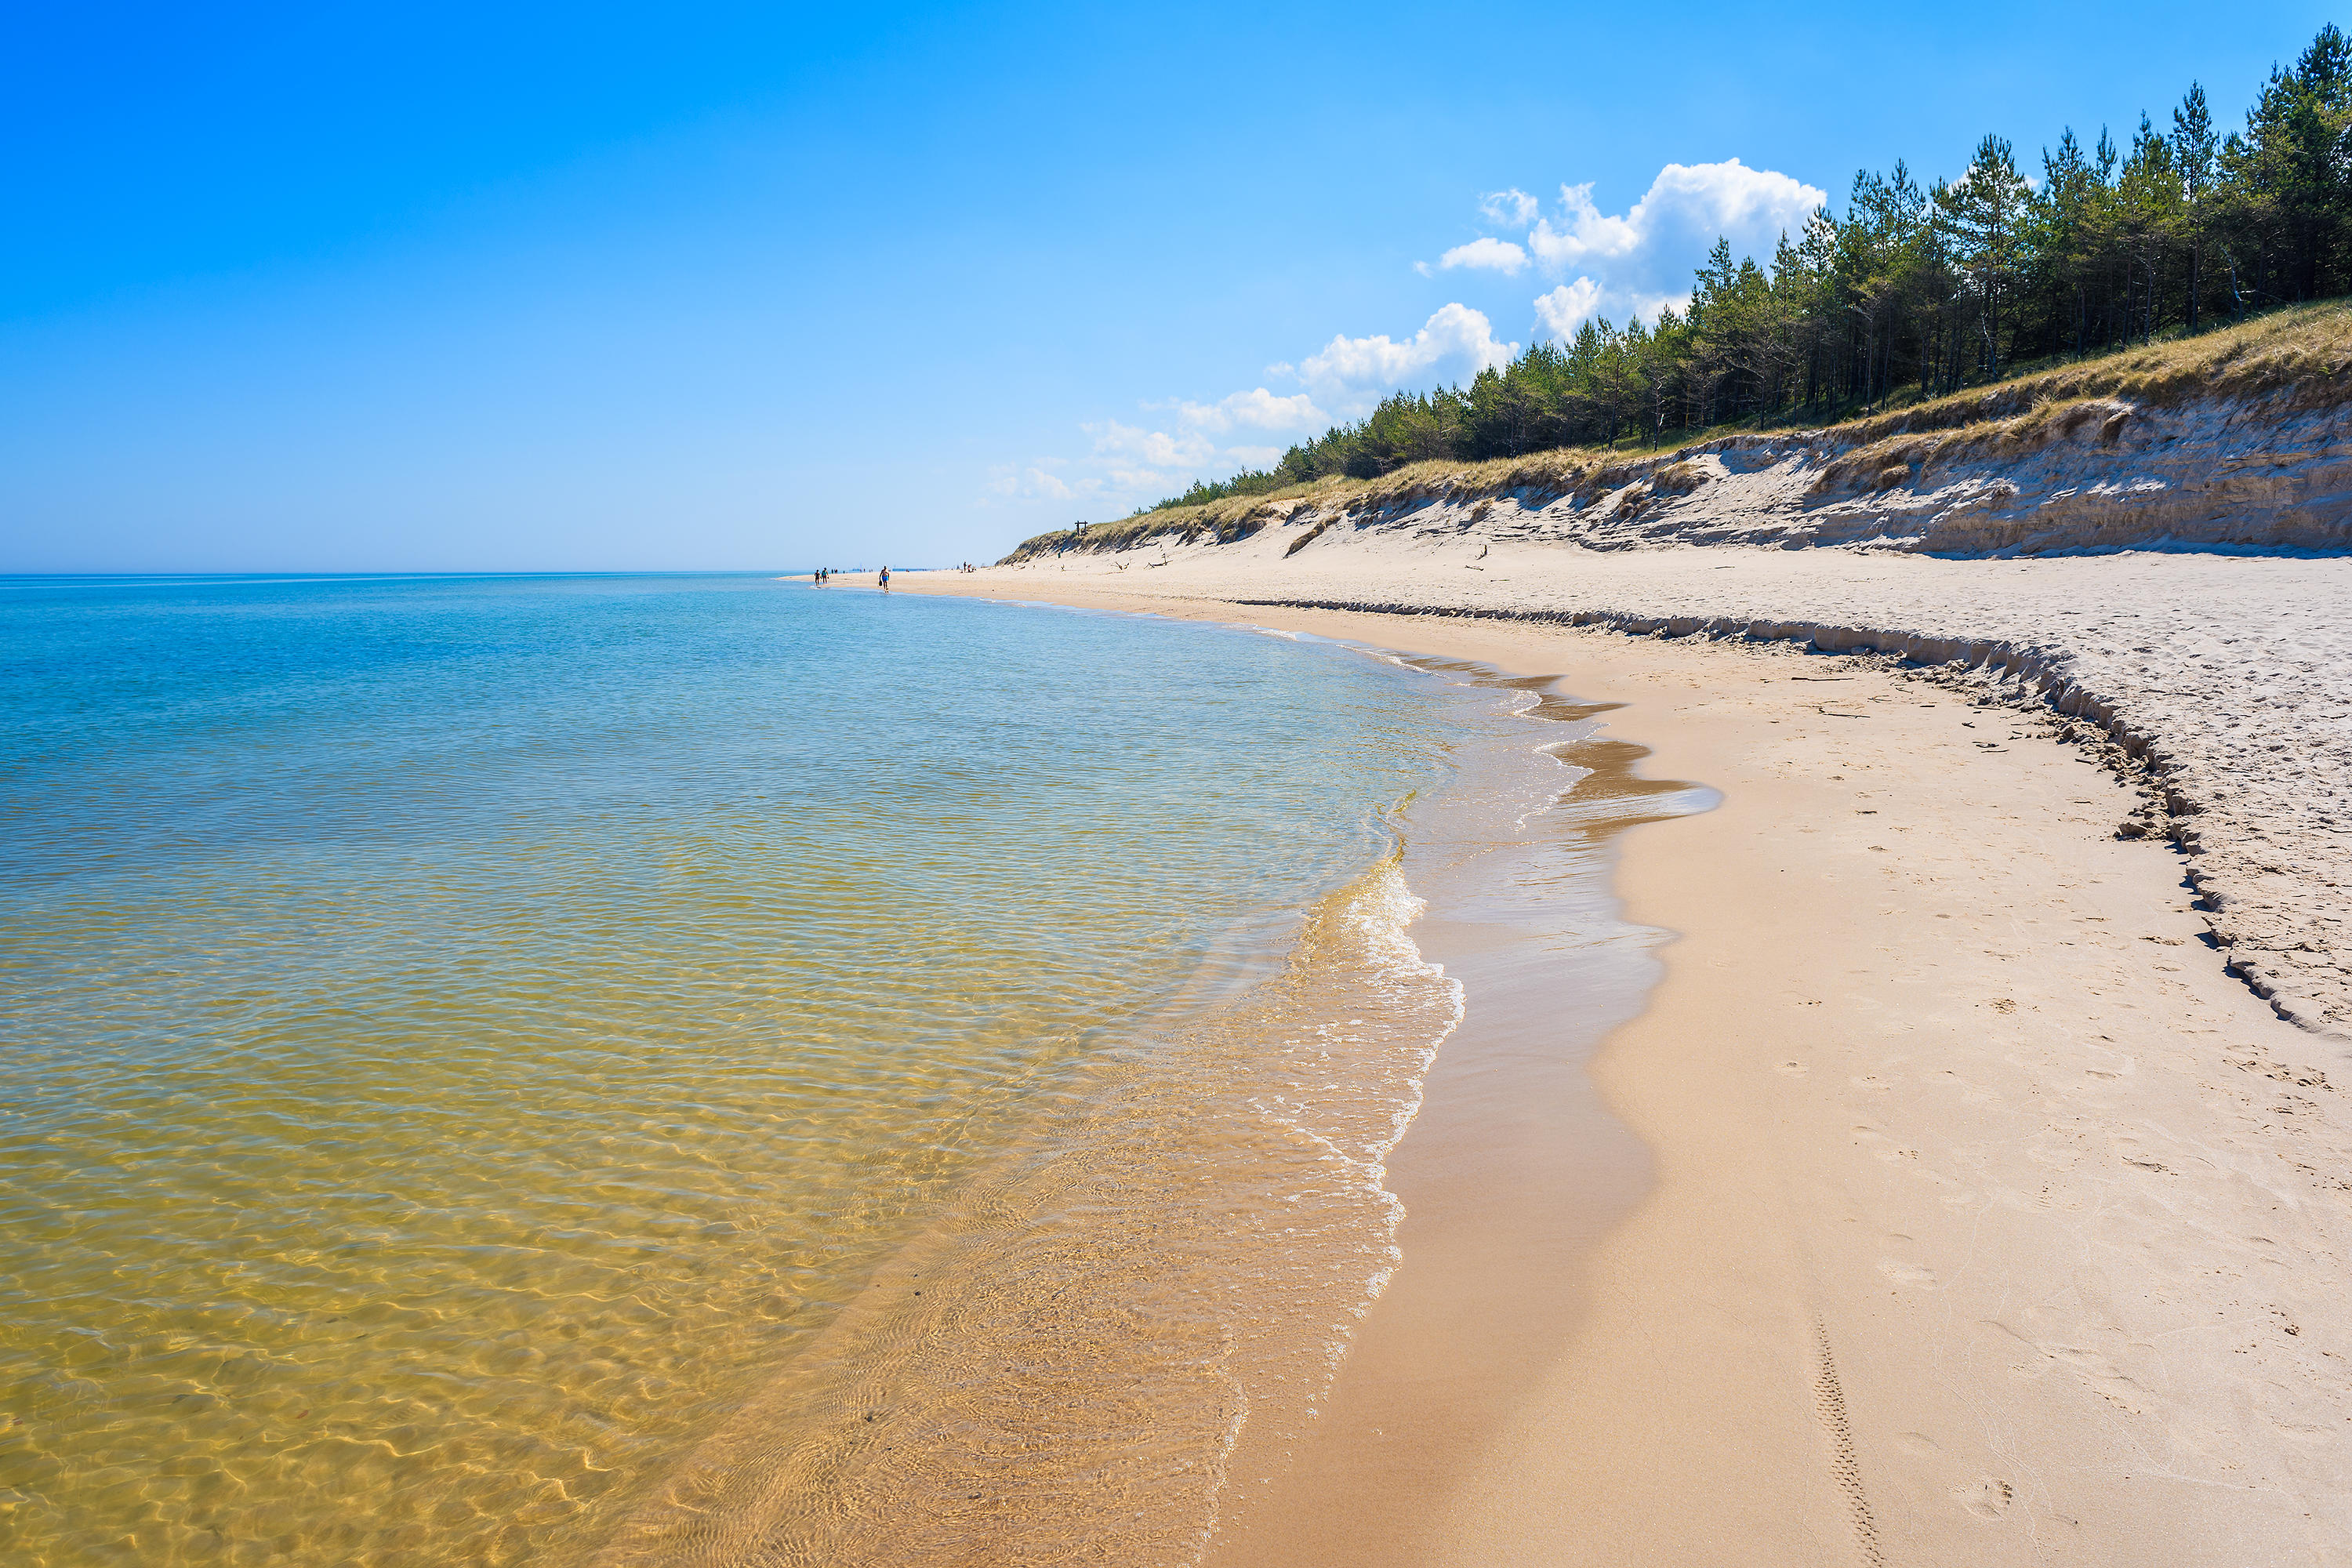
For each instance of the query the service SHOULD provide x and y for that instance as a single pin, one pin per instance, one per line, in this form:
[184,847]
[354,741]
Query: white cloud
[1455,335]
[1585,230]
[1637,261]
[1628,263]
[1152,448]
[1650,307]
[1015,481]
[1670,229]
[1257,409]
[1131,465]
[1513,209]
[1485,253]
[1564,309]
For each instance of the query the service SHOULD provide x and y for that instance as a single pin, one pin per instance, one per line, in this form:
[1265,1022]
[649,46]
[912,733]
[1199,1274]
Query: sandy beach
[1987,1216]
[1638,853]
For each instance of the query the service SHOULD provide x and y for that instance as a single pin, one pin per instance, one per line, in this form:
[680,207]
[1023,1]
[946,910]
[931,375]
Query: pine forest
[1915,291]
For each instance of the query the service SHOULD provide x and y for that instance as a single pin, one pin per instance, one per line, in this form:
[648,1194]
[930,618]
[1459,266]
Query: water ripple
[466,1035]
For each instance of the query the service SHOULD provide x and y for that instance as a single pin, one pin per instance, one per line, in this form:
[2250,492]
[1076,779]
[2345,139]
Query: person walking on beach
[885,579]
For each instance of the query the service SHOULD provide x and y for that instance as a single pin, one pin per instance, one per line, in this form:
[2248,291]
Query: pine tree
[1983,213]
[2196,153]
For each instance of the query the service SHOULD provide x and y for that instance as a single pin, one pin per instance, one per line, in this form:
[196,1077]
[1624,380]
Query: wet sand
[1512,1171]
[1985,1219]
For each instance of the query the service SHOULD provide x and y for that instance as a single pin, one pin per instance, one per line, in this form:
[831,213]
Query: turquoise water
[490,1061]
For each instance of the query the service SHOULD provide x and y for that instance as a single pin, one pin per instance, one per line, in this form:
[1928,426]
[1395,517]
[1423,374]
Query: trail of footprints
[1846,1465]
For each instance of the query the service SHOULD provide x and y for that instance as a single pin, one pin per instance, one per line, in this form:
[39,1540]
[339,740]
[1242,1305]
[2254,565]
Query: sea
[608,1069]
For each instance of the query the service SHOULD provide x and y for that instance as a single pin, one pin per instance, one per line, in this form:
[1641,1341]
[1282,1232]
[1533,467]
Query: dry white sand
[1994,1222]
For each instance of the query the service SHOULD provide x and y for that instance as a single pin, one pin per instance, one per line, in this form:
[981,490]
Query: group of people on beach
[823,574]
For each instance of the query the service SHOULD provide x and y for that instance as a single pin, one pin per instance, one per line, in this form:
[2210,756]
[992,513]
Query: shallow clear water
[491,1063]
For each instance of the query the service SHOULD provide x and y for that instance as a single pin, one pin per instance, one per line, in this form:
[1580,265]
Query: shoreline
[979,1394]
[2215,678]
[1988,1223]
[1514,1169]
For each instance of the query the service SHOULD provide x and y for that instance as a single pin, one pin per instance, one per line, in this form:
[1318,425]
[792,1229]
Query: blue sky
[685,287]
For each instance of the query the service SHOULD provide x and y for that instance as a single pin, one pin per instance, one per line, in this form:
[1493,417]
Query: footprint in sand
[1986,1499]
